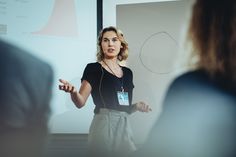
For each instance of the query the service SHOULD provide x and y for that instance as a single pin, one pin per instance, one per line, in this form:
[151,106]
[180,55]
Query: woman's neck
[111,62]
[113,67]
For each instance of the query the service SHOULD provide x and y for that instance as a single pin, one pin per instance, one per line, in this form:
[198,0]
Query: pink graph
[63,20]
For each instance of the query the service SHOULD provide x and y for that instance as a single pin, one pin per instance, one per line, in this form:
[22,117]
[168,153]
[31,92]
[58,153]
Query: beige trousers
[110,132]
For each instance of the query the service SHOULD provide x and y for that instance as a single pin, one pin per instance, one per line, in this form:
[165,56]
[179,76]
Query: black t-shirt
[105,86]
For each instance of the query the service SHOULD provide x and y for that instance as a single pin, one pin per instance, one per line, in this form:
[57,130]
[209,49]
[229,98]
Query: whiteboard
[154,32]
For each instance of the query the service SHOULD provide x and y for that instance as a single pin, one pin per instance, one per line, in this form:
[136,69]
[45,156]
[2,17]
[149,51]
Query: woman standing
[111,86]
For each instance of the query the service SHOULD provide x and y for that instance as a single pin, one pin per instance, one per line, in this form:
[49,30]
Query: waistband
[112,112]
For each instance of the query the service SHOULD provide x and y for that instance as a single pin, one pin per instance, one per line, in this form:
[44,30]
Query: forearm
[77,99]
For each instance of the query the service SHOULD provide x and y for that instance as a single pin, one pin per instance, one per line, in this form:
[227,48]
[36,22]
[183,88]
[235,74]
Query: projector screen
[63,33]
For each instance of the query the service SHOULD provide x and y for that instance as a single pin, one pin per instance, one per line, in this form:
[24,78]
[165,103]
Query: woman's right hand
[78,97]
[67,87]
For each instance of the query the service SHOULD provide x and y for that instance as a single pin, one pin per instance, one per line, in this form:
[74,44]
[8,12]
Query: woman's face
[110,45]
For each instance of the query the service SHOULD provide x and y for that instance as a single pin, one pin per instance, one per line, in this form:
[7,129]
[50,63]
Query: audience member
[25,94]
[199,110]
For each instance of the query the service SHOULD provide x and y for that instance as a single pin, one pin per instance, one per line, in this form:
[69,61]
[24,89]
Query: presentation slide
[64,34]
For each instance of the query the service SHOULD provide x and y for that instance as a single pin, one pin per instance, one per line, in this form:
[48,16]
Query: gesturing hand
[67,87]
[142,107]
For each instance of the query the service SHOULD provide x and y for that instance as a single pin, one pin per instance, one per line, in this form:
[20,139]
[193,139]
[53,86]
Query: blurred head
[123,52]
[25,95]
[212,32]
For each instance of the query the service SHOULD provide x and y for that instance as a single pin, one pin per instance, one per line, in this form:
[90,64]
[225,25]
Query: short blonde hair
[123,54]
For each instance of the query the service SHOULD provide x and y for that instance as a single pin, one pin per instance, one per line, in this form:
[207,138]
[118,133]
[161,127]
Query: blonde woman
[111,86]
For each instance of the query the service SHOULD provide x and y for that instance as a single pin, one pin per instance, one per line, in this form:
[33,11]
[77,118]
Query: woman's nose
[111,42]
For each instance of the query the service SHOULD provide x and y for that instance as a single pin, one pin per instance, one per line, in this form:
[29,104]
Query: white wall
[155,31]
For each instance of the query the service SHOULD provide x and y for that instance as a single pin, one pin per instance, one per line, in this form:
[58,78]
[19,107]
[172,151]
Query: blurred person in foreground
[199,110]
[25,95]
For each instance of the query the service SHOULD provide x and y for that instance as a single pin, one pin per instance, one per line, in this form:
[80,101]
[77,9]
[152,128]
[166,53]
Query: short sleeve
[91,73]
[130,78]
[132,83]
[88,74]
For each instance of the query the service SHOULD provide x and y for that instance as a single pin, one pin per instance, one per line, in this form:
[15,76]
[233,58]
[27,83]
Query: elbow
[79,104]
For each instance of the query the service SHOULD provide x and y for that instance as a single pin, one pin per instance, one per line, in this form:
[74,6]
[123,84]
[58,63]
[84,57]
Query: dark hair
[212,32]
[123,54]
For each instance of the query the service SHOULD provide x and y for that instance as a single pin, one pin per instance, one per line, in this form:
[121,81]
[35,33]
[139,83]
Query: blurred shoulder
[190,82]
[191,77]
[197,87]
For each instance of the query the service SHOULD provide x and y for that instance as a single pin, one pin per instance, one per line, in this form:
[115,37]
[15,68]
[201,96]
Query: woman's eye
[114,40]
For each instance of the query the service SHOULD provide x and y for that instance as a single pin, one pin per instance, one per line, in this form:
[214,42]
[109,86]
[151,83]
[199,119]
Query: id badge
[123,98]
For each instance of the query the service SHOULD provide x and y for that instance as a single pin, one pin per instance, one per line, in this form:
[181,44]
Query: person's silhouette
[199,109]
[25,94]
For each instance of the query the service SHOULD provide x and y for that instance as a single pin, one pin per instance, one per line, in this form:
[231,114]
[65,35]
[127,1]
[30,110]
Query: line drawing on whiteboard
[158,52]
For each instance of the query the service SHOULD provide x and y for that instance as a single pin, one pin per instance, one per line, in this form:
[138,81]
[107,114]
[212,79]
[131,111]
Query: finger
[63,81]
[60,87]
[142,108]
[70,88]
[67,88]
[145,108]
[63,87]
[73,90]
[139,106]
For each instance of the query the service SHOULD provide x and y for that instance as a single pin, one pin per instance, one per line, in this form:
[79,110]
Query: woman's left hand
[142,107]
